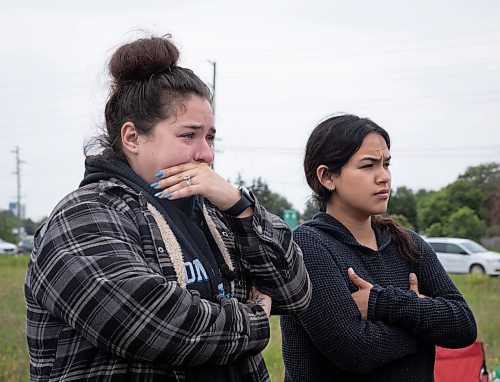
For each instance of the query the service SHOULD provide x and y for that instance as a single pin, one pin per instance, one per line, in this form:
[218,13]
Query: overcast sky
[426,70]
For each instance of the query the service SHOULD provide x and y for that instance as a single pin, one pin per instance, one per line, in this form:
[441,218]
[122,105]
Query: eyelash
[210,138]
[387,164]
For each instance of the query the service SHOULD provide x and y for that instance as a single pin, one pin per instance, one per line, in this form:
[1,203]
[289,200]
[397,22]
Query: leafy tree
[312,208]
[462,193]
[7,225]
[272,201]
[482,176]
[402,220]
[31,226]
[433,208]
[438,206]
[435,229]
[494,228]
[403,202]
[486,178]
[464,223]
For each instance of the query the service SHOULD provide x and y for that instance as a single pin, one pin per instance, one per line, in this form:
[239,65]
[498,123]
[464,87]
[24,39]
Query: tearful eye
[211,139]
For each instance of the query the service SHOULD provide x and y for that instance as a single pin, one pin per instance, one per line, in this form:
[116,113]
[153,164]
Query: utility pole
[214,75]
[18,173]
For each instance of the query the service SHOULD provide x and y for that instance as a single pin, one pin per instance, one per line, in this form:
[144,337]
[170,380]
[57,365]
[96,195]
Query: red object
[464,365]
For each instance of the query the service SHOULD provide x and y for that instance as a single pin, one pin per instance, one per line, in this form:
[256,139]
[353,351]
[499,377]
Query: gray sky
[426,70]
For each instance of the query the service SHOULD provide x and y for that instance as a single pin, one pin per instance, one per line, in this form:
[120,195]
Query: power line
[300,150]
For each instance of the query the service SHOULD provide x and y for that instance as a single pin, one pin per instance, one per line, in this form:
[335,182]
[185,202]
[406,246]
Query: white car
[7,248]
[465,256]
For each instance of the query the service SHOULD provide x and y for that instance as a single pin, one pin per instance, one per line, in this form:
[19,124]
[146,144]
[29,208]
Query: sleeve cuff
[372,300]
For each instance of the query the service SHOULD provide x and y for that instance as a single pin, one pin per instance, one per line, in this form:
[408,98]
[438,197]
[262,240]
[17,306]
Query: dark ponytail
[400,235]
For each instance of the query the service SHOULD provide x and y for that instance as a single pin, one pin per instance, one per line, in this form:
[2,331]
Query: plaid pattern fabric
[104,302]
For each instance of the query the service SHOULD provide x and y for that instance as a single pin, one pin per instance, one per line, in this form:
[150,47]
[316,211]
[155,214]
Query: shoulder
[314,241]
[99,196]
[307,232]
[421,248]
[417,240]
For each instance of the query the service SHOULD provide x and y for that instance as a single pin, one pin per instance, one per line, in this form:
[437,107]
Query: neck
[359,226]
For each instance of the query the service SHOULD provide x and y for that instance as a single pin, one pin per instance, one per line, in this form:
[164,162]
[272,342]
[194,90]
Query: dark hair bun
[142,58]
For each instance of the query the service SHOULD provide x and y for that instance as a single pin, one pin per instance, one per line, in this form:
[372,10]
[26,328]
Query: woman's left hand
[189,179]
[363,294]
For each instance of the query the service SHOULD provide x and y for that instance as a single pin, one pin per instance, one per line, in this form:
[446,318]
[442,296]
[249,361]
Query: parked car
[7,248]
[465,256]
[26,244]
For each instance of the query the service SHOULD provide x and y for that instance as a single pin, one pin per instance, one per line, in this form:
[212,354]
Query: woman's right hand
[262,299]
[189,179]
[362,295]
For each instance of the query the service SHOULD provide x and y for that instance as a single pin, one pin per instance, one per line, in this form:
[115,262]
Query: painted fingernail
[158,194]
[154,184]
[168,196]
[159,173]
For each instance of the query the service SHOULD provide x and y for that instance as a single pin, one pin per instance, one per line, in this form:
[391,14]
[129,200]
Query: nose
[383,176]
[205,153]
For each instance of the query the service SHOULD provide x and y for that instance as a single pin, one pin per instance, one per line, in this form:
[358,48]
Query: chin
[380,211]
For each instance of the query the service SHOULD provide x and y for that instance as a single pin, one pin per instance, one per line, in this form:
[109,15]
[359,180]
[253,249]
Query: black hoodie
[184,217]
[330,341]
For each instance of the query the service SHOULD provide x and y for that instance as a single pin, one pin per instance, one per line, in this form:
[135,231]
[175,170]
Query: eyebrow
[198,127]
[376,159]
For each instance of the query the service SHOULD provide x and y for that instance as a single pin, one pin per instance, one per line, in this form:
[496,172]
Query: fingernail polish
[158,194]
[158,174]
[154,184]
[168,196]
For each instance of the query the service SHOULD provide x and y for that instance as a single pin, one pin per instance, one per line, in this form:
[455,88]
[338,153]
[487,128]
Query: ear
[130,137]
[325,177]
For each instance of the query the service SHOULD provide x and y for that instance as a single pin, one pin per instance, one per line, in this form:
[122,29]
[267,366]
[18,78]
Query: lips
[383,192]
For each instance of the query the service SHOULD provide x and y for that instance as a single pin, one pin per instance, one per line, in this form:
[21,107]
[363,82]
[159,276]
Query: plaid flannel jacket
[106,296]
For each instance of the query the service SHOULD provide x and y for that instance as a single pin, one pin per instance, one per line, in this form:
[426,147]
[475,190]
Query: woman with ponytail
[156,268]
[381,300]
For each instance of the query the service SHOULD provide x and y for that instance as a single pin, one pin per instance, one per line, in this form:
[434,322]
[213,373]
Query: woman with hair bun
[156,268]
[381,300]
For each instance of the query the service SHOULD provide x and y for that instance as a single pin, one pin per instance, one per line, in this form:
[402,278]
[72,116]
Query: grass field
[482,293]
[13,350]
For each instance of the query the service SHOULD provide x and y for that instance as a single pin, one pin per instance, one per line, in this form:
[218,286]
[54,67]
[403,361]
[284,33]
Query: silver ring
[187,179]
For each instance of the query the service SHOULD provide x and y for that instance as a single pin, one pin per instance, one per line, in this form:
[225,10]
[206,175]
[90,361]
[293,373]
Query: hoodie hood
[103,168]
[334,228]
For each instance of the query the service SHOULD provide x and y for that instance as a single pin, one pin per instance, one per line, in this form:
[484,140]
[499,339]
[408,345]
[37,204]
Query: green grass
[14,364]
[272,353]
[482,293]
